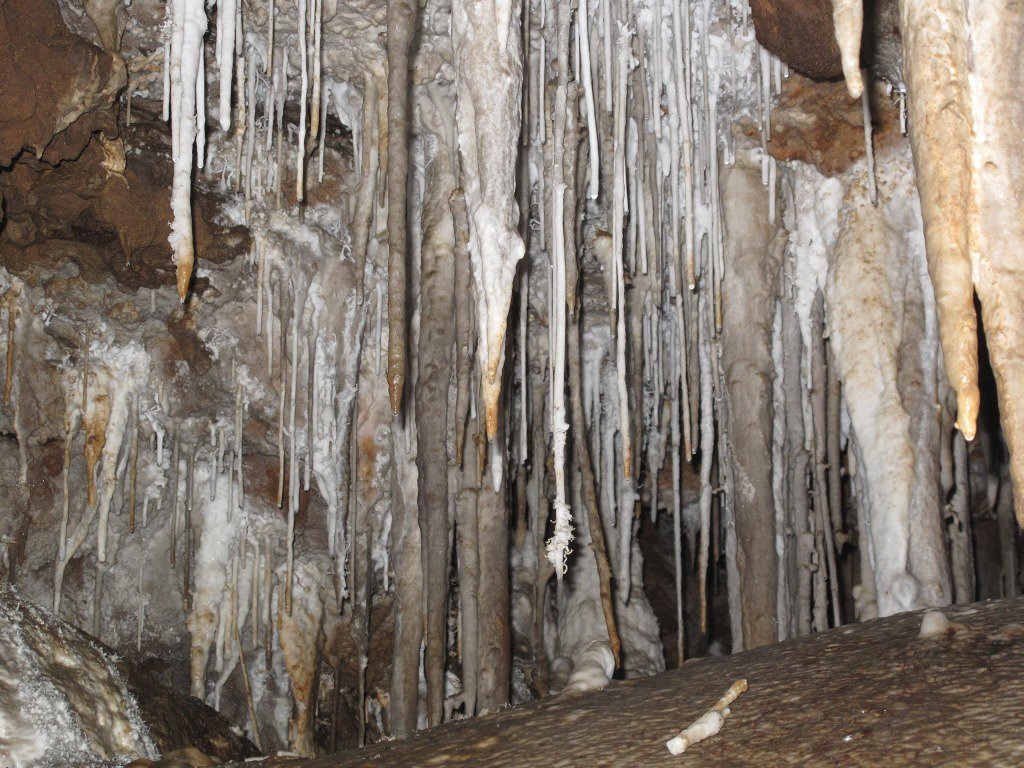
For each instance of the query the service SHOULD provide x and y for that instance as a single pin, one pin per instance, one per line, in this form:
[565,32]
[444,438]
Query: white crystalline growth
[594,670]
[934,624]
[62,701]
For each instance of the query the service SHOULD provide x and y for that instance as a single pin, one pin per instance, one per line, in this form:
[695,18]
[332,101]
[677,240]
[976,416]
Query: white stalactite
[848,19]
[189,26]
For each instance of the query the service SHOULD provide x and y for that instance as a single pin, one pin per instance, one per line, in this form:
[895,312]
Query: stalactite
[189,26]
[186,556]
[282,402]
[493,601]
[298,299]
[581,449]
[848,18]
[558,545]
[750,289]
[437,300]
[225,57]
[469,571]
[12,320]
[300,155]
[936,67]
[712,349]
[488,116]
[409,593]
[175,470]
[134,463]
[823,520]
[464,331]
[401,25]
[869,149]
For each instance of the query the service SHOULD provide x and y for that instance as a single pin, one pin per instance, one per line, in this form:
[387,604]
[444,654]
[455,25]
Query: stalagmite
[864,326]
[401,26]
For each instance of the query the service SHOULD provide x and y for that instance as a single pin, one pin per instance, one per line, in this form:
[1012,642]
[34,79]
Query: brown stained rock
[56,88]
[799,32]
[189,347]
[342,645]
[177,721]
[818,123]
[109,223]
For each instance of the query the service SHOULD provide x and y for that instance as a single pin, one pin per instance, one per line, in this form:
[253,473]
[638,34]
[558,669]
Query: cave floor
[872,694]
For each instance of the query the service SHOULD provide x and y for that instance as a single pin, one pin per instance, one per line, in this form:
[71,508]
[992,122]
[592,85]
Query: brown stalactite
[12,327]
[797,509]
[822,500]
[935,70]
[464,483]
[493,600]
[465,336]
[362,216]
[409,594]
[749,291]
[401,24]
[133,470]
[997,28]
[581,449]
[833,431]
[433,359]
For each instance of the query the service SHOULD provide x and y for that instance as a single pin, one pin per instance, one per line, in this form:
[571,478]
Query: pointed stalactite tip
[491,392]
[184,275]
[396,383]
[967,407]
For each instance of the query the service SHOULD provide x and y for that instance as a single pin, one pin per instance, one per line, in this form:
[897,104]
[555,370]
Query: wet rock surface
[866,695]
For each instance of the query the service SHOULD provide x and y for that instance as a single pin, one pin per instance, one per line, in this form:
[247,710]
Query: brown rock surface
[871,694]
[108,211]
[819,124]
[56,88]
[800,33]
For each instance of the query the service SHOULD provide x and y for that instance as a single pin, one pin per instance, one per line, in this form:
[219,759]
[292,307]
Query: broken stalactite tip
[708,724]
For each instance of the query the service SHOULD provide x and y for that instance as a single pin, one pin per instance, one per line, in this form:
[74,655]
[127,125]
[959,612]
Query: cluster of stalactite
[582,290]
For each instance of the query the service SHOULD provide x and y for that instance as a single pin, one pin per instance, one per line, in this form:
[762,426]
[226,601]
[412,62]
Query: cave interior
[376,364]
